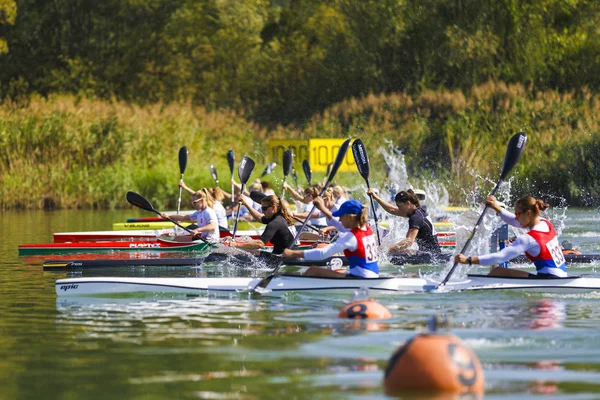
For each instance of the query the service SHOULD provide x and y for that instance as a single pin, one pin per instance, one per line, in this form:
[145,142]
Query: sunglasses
[263,208]
[196,201]
[519,213]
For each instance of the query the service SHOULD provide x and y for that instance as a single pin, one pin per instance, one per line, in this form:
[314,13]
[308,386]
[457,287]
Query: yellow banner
[319,153]
[298,147]
[323,153]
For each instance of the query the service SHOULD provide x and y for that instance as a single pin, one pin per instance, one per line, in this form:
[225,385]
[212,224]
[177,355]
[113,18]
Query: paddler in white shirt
[204,216]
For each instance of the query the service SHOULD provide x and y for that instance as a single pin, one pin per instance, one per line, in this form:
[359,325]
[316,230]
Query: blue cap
[349,207]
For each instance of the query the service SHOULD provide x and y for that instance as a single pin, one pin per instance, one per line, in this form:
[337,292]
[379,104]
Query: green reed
[67,152]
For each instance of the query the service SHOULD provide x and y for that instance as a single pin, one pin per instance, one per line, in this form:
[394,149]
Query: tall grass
[67,152]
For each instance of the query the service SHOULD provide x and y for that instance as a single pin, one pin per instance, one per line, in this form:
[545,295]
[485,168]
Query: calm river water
[531,346]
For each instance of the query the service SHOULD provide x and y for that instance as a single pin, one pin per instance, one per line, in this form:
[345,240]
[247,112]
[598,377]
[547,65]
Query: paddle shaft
[314,228]
[230,162]
[468,242]
[183,227]
[179,199]
[288,159]
[265,281]
[514,150]
[182,166]
[237,213]
[283,190]
[338,161]
[374,213]
[361,159]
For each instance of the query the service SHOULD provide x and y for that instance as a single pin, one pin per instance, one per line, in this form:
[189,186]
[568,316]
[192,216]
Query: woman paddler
[356,240]
[420,226]
[278,231]
[204,216]
[540,243]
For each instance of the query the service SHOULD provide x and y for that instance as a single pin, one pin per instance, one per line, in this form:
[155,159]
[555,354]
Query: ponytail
[528,203]
[273,200]
[407,196]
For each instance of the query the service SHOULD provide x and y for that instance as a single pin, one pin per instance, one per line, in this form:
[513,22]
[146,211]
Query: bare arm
[177,217]
[295,194]
[318,202]
[251,245]
[287,253]
[185,187]
[390,208]
[239,186]
[404,244]
[211,226]
[255,214]
[491,202]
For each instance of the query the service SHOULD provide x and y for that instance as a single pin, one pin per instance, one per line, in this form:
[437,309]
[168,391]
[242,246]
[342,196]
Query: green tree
[8,14]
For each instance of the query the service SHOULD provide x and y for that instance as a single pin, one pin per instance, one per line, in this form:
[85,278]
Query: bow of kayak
[284,283]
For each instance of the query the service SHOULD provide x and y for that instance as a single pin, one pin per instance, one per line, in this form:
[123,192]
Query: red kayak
[86,247]
[133,235]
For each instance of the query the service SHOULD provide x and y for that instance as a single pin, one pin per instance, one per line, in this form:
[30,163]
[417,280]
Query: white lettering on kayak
[144,245]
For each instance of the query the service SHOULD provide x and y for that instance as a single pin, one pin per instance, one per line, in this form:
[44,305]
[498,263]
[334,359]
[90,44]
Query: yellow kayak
[122,226]
[455,209]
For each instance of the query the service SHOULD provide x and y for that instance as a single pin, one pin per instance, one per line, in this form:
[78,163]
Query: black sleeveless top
[278,233]
[426,239]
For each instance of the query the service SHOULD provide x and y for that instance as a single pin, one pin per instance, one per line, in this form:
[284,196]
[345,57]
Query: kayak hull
[241,260]
[132,235]
[245,260]
[66,248]
[293,283]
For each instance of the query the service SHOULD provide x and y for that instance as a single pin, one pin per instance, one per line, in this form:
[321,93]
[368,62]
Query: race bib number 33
[370,245]
[556,252]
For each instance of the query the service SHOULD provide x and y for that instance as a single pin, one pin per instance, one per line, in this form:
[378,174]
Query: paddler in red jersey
[356,240]
[540,243]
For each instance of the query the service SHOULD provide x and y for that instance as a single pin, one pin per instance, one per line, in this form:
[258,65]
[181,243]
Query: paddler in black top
[420,226]
[279,227]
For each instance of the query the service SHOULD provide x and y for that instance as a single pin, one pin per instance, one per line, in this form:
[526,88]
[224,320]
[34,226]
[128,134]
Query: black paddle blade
[257,196]
[213,172]
[341,155]
[183,155]
[268,169]
[139,201]
[361,158]
[514,150]
[307,171]
[339,159]
[230,160]
[245,169]
[288,158]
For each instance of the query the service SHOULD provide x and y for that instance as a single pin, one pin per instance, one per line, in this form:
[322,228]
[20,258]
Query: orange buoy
[434,362]
[365,309]
[571,251]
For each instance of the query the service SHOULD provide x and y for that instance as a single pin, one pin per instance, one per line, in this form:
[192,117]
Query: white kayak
[284,283]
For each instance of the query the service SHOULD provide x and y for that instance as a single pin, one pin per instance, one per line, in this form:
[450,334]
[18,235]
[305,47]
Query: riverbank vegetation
[69,152]
[97,97]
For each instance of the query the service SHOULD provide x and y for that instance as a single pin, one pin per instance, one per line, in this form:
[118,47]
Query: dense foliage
[98,96]
[66,152]
[284,60]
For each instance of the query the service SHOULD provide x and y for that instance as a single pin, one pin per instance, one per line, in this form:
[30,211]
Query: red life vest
[365,256]
[551,255]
